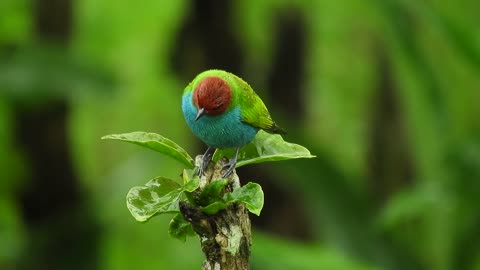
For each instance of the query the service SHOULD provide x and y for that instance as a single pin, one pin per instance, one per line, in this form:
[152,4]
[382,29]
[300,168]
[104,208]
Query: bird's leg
[231,164]
[206,158]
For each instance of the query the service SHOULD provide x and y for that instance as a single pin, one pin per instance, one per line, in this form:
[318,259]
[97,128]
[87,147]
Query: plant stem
[225,237]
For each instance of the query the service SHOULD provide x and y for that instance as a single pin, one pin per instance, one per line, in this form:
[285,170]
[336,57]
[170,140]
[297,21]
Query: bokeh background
[385,92]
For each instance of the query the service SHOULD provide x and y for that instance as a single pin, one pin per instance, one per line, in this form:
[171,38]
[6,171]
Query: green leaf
[212,192]
[157,143]
[266,147]
[214,207]
[407,206]
[192,185]
[187,176]
[159,195]
[251,194]
[180,228]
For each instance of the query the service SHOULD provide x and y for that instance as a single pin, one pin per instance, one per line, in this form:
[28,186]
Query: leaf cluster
[162,195]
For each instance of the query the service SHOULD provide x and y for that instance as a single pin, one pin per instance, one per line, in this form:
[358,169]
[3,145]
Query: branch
[225,237]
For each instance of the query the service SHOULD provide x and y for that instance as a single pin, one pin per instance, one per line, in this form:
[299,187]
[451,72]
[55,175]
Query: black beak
[201,111]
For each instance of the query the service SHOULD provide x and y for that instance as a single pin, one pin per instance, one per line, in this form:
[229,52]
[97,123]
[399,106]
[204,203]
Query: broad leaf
[157,143]
[251,194]
[406,206]
[192,184]
[180,228]
[159,195]
[266,147]
[214,207]
[187,175]
[212,192]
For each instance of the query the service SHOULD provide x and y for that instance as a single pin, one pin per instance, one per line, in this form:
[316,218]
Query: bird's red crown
[213,94]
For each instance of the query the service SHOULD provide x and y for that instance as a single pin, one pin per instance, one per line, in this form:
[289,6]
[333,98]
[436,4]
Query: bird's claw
[206,158]
[203,167]
[228,168]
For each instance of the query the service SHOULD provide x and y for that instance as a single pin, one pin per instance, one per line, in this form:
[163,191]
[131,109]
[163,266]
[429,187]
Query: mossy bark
[225,237]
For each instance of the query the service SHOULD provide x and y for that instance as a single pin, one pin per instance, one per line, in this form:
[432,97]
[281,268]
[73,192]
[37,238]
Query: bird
[223,111]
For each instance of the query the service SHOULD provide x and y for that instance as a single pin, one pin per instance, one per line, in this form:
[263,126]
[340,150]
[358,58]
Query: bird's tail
[275,129]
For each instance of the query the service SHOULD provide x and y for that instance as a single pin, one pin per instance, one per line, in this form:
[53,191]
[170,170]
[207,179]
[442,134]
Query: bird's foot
[206,158]
[230,166]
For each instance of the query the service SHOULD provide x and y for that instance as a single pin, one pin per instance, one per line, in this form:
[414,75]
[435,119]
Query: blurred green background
[385,92]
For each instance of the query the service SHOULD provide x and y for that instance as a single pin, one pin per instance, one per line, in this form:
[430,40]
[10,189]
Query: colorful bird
[224,112]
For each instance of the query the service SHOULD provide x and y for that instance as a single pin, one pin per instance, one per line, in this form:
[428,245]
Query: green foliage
[212,192]
[40,74]
[162,195]
[251,194]
[159,195]
[406,207]
[294,255]
[266,147]
[155,142]
[180,228]
[10,232]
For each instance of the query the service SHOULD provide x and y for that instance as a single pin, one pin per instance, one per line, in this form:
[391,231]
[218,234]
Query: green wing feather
[254,111]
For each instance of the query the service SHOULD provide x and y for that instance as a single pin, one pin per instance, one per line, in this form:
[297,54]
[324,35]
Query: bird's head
[212,96]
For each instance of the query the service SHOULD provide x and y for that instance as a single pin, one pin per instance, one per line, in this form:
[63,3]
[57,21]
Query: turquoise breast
[220,131]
